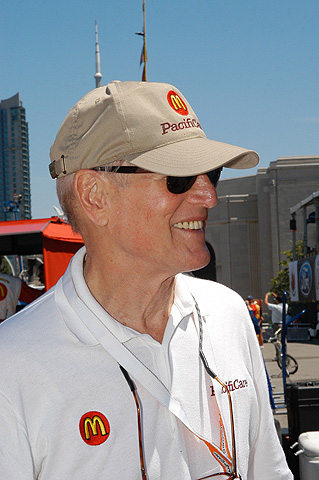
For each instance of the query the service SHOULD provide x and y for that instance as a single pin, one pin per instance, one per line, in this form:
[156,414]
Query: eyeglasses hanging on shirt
[227,460]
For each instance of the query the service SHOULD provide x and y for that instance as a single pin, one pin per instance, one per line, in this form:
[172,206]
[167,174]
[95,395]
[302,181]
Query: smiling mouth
[196,225]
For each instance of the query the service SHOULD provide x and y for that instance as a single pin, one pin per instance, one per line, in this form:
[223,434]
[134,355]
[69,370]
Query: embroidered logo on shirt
[94,428]
[232,385]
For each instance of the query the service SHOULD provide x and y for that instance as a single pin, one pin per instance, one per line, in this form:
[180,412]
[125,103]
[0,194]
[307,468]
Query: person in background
[256,308]
[253,317]
[12,290]
[275,308]
[313,331]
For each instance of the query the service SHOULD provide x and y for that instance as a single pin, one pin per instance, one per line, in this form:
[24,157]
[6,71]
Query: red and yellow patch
[3,291]
[177,104]
[94,428]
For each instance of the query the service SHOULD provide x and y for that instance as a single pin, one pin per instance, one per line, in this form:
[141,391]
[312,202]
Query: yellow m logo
[93,422]
[177,102]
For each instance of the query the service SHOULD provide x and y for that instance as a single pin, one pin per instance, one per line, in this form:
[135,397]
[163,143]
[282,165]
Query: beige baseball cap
[150,125]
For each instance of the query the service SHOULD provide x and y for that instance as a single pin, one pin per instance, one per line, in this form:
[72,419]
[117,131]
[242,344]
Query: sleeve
[266,444]
[15,452]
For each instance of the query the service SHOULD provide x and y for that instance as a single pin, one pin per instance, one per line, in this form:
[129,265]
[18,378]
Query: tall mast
[144,78]
[98,74]
[143,58]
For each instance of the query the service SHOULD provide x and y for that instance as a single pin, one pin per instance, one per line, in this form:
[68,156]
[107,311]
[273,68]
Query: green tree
[280,282]
[4,266]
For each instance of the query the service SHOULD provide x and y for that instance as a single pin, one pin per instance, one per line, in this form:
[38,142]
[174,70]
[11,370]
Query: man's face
[157,230]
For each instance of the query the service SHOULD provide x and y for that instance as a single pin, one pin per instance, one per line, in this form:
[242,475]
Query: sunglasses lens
[180,184]
[214,176]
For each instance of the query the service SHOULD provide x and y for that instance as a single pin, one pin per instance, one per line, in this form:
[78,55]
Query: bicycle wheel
[291,364]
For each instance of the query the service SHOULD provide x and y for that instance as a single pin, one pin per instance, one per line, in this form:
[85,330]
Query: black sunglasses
[174,184]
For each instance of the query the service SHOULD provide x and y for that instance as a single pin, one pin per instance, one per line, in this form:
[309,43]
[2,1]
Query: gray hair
[68,200]
[67,197]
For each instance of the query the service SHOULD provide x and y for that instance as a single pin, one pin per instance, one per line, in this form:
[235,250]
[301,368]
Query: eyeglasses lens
[214,176]
[183,184]
[180,184]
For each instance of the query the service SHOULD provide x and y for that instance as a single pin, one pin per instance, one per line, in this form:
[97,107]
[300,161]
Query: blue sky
[249,69]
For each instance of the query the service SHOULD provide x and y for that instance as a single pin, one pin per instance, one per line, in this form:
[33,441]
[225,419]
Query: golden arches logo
[90,425]
[94,428]
[177,104]
[3,291]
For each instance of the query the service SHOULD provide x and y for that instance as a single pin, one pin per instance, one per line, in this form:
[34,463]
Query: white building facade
[250,226]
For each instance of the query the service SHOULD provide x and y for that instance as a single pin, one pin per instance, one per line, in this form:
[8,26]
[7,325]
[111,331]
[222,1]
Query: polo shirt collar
[183,305]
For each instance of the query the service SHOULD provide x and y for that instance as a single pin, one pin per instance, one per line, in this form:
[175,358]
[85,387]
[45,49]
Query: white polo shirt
[66,410]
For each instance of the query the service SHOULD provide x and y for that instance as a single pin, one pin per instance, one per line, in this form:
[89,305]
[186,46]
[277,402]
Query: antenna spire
[143,58]
[98,74]
[144,77]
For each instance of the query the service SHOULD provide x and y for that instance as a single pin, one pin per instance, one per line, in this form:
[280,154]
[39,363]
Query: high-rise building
[15,192]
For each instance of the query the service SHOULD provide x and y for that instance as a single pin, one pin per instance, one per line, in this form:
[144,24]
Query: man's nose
[203,192]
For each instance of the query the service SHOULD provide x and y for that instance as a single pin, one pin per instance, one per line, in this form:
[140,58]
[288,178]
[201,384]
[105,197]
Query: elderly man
[127,368]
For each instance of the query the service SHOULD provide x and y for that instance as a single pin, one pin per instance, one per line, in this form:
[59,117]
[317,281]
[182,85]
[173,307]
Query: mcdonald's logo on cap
[177,104]
[94,428]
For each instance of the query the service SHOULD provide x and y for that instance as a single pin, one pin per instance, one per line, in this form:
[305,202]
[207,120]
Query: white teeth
[196,225]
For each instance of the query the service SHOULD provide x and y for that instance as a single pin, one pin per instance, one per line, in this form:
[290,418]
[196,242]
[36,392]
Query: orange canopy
[51,237]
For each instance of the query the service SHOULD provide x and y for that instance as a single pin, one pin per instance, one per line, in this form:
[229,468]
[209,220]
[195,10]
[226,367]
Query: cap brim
[193,157]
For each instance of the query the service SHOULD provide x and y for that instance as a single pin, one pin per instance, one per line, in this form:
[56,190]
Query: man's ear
[89,187]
